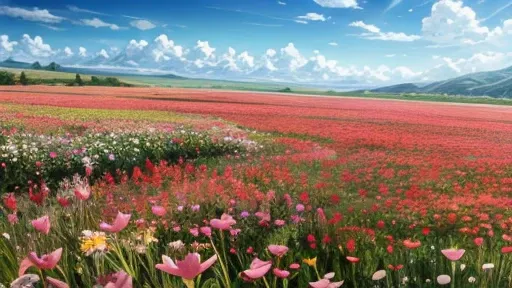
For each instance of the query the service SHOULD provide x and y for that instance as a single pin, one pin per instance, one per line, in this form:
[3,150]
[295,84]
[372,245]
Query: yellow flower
[310,261]
[92,242]
[147,237]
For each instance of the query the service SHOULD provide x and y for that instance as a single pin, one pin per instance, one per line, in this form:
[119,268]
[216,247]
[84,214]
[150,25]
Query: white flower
[177,245]
[443,279]
[462,267]
[379,275]
[471,279]
[7,236]
[405,280]
[428,281]
[488,266]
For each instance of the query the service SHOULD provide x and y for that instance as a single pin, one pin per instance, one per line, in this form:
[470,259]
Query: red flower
[304,197]
[411,244]
[337,217]
[390,249]
[311,238]
[335,199]
[452,218]
[425,231]
[326,239]
[10,201]
[351,245]
[479,241]
[395,268]
[312,245]
[64,202]
[353,259]
[381,224]
[506,250]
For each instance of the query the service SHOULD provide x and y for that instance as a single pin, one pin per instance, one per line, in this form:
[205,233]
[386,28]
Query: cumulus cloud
[338,3]
[142,24]
[134,45]
[452,23]
[6,44]
[164,49]
[103,53]
[98,23]
[36,47]
[68,52]
[374,33]
[312,17]
[36,14]
[205,48]
[82,52]
[293,57]
[484,61]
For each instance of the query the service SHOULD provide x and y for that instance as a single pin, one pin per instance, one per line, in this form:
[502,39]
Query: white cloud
[6,44]
[452,23]
[68,52]
[393,4]
[164,49]
[80,10]
[103,54]
[36,47]
[205,48]
[333,43]
[270,52]
[82,52]
[142,24]
[51,27]
[293,57]
[301,21]
[98,23]
[134,45]
[338,3]
[246,59]
[390,55]
[312,17]
[374,33]
[36,14]
[281,3]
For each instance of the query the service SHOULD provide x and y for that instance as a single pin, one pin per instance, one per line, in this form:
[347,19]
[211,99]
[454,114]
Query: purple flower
[195,208]
[244,214]
[111,157]
[299,208]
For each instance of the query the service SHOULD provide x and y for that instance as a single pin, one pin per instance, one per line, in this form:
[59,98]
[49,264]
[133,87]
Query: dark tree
[6,78]
[78,80]
[23,78]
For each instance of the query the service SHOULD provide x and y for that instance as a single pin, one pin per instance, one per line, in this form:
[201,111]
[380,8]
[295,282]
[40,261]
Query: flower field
[154,187]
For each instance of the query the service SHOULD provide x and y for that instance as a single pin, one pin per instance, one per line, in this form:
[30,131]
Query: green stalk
[224,270]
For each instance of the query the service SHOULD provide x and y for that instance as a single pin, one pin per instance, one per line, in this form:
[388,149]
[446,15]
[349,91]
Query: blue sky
[372,41]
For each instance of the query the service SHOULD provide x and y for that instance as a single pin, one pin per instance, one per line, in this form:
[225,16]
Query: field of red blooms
[405,178]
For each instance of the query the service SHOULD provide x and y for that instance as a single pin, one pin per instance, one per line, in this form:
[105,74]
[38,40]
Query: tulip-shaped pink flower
[281,273]
[119,224]
[224,223]
[187,268]
[453,254]
[326,282]
[158,211]
[121,280]
[56,283]
[83,191]
[277,250]
[45,262]
[257,270]
[42,224]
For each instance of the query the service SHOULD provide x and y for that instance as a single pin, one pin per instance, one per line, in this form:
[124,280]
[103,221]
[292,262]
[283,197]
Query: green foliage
[6,78]
[78,80]
[23,78]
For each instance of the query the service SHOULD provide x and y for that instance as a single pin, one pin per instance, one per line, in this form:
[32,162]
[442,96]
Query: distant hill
[491,83]
[11,63]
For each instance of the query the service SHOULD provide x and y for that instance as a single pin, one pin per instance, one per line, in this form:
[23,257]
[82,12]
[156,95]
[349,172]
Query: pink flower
[53,155]
[234,232]
[207,231]
[281,273]
[277,250]
[83,191]
[121,280]
[263,216]
[194,231]
[279,222]
[326,282]
[257,270]
[224,223]
[453,254]
[42,224]
[13,218]
[299,208]
[479,241]
[119,224]
[45,262]
[188,268]
[411,244]
[295,266]
[56,283]
[158,211]
[353,259]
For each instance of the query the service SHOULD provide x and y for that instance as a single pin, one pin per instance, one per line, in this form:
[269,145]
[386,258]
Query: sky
[371,42]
